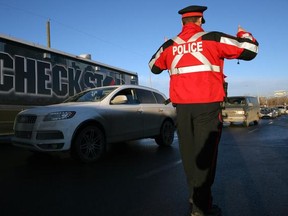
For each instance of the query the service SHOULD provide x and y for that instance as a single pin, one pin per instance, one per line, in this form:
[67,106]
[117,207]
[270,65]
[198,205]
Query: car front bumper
[42,135]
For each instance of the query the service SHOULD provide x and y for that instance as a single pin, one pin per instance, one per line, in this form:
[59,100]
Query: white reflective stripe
[196,36]
[175,61]
[244,45]
[178,40]
[201,58]
[193,69]
[152,62]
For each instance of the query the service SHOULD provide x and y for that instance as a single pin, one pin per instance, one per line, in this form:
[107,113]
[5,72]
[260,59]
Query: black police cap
[193,10]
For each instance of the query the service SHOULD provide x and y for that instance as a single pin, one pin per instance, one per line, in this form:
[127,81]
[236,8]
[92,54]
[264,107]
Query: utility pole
[48,34]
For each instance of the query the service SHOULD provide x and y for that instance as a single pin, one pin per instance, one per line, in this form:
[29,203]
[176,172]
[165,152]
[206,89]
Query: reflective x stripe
[207,66]
[193,38]
[175,62]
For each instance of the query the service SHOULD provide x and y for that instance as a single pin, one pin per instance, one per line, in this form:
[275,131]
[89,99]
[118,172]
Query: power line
[52,20]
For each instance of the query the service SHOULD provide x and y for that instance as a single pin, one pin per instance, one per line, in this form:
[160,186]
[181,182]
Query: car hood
[72,106]
[266,111]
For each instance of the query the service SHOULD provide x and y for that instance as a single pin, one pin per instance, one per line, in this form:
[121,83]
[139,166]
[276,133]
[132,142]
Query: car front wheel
[166,136]
[89,144]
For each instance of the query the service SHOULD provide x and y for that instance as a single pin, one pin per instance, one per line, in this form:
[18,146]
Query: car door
[125,118]
[152,112]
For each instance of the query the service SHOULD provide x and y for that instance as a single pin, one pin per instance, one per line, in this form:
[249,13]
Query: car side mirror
[120,99]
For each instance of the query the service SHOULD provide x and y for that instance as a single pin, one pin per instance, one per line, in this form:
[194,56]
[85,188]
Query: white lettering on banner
[187,48]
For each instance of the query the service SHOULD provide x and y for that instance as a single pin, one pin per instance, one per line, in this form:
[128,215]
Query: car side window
[251,100]
[255,101]
[130,96]
[145,96]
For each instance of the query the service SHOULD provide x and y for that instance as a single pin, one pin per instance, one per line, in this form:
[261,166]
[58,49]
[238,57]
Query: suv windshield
[92,95]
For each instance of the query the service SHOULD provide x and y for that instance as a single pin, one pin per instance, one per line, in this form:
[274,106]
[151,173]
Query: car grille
[23,134]
[49,135]
[27,119]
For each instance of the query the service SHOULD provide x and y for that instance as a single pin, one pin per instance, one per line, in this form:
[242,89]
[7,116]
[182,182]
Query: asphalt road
[140,179]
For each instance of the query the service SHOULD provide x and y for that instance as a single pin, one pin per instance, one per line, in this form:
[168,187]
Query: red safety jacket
[195,62]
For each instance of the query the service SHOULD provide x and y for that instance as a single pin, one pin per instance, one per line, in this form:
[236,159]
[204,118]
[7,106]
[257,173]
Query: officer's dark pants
[199,130]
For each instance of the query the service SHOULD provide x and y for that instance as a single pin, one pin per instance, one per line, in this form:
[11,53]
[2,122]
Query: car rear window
[236,101]
[160,99]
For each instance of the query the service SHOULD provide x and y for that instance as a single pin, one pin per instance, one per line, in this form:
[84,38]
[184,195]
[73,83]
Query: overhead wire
[69,27]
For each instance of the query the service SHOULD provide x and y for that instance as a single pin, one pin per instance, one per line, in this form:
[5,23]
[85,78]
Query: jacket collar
[193,27]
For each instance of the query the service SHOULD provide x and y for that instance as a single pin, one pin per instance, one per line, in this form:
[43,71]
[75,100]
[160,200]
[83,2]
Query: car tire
[89,145]
[166,136]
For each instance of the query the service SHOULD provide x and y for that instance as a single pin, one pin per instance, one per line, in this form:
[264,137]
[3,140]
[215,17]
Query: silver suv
[244,109]
[88,121]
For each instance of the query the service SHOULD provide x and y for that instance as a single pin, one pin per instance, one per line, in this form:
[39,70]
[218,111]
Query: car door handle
[161,110]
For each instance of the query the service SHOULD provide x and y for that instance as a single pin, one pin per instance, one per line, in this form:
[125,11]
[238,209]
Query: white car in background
[268,112]
[282,109]
[85,123]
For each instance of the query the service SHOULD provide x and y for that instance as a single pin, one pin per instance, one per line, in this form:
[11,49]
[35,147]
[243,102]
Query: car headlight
[240,112]
[62,115]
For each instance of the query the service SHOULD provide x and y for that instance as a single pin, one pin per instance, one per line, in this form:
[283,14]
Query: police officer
[195,60]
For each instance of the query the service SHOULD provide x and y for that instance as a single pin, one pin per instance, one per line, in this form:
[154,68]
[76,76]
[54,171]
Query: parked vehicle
[243,109]
[88,121]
